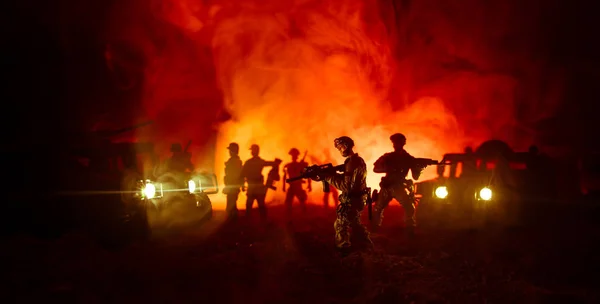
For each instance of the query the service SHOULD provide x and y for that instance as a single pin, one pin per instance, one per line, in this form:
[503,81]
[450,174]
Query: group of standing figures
[352,184]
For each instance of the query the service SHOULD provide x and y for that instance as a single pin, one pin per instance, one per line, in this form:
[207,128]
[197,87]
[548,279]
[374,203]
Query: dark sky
[50,88]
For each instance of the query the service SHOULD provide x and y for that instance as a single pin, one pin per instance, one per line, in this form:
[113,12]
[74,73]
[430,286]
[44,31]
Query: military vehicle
[475,183]
[178,196]
[101,187]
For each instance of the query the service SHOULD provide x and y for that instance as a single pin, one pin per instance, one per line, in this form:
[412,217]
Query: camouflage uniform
[353,185]
[395,185]
[294,169]
[252,173]
[233,179]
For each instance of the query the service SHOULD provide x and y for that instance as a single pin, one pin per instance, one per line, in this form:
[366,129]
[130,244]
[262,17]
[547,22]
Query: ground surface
[552,261]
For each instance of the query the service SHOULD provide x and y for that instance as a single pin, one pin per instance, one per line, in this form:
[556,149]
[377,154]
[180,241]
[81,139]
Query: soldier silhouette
[294,169]
[252,174]
[394,184]
[233,180]
[353,184]
[180,161]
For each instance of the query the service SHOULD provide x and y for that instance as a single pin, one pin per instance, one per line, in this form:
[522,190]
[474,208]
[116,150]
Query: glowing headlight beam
[192,186]
[485,194]
[149,191]
[441,192]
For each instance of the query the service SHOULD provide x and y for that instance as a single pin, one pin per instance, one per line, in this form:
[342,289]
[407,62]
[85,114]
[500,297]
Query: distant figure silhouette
[293,169]
[394,184]
[233,180]
[252,174]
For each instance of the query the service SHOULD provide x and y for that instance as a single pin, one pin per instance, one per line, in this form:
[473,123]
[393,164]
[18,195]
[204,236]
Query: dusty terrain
[552,259]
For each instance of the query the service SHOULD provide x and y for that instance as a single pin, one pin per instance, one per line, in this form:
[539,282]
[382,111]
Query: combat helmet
[344,141]
[398,138]
[175,148]
[294,152]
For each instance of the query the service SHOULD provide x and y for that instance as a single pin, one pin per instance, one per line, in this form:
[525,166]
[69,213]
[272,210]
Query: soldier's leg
[383,200]
[289,199]
[260,200]
[408,204]
[341,226]
[232,197]
[302,197]
[251,196]
[359,231]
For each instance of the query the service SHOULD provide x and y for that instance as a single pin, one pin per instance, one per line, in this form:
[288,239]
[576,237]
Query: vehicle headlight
[441,192]
[192,186]
[485,194]
[149,191]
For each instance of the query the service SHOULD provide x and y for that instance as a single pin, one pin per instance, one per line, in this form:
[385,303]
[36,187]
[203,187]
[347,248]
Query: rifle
[273,175]
[421,163]
[317,171]
[187,146]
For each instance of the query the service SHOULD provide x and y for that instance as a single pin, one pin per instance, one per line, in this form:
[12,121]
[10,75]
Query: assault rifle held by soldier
[317,171]
[320,170]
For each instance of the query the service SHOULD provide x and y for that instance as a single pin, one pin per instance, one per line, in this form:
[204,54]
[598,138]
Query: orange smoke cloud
[300,73]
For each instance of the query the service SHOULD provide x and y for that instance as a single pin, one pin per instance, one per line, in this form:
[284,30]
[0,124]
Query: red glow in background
[286,74]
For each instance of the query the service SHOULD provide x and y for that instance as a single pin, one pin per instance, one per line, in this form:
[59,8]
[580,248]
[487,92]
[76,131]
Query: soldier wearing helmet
[252,174]
[233,179]
[294,168]
[180,160]
[353,185]
[394,184]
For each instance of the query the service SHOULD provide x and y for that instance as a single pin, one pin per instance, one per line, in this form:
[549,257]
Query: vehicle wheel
[205,207]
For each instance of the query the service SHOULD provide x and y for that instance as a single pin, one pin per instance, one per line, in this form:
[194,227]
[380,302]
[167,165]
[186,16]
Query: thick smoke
[300,73]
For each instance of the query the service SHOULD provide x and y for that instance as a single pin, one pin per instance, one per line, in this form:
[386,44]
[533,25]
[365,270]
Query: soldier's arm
[244,173]
[379,166]
[344,181]
[272,163]
[239,168]
[284,176]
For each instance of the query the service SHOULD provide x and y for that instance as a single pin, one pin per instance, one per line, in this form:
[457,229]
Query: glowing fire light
[300,73]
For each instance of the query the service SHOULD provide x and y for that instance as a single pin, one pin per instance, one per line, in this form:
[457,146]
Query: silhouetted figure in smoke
[394,184]
[252,173]
[294,169]
[353,184]
[180,161]
[233,180]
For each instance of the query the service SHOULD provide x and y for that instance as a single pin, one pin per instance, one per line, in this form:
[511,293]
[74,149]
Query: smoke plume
[301,73]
